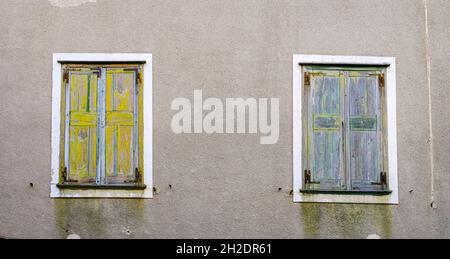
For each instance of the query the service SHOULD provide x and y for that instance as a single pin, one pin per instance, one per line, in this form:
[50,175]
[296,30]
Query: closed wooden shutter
[121,129]
[344,118]
[103,125]
[325,138]
[82,126]
[365,126]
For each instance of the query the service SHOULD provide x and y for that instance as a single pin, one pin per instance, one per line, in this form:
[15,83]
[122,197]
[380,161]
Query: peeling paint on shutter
[344,121]
[365,131]
[324,138]
[82,126]
[120,128]
[103,124]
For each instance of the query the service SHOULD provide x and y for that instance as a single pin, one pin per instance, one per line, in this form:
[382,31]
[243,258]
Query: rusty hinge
[381,80]
[383,180]
[139,78]
[66,76]
[308,178]
[65,176]
[138,74]
[307,78]
[138,175]
[97,72]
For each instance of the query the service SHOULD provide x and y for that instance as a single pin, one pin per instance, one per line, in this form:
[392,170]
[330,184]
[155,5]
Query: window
[103,115]
[101,129]
[342,128]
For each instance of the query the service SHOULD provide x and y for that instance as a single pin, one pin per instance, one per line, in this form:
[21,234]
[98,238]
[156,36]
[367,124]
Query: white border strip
[391,99]
[55,192]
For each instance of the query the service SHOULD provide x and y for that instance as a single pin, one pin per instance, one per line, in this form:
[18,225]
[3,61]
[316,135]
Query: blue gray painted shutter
[324,134]
[365,131]
[344,124]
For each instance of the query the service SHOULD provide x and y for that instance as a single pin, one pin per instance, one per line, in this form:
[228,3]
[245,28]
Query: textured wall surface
[224,185]
[440,56]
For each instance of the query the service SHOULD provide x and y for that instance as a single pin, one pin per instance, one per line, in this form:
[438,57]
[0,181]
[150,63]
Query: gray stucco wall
[440,57]
[225,186]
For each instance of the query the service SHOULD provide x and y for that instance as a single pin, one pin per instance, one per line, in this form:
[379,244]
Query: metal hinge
[65,176]
[138,175]
[307,78]
[383,180]
[138,74]
[66,76]
[308,178]
[381,80]
[139,78]
[97,72]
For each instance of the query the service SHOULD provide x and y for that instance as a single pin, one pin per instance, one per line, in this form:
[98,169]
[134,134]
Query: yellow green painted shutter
[82,126]
[121,127]
[103,118]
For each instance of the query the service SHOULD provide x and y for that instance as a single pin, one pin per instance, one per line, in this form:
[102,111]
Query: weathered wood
[120,118]
[82,124]
[324,136]
[345,122]
[129,186]
[103,123]
[83,119]
[365,114]
[120,125]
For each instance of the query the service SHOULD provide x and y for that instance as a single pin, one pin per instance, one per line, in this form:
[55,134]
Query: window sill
[130,187]
[372,193]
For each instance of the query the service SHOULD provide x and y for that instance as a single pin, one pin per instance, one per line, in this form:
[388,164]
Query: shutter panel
[82,126]
[365,125]
[121,127]
[324,134]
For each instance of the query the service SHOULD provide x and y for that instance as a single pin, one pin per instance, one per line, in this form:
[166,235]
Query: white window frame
[391,100]
[58,60]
